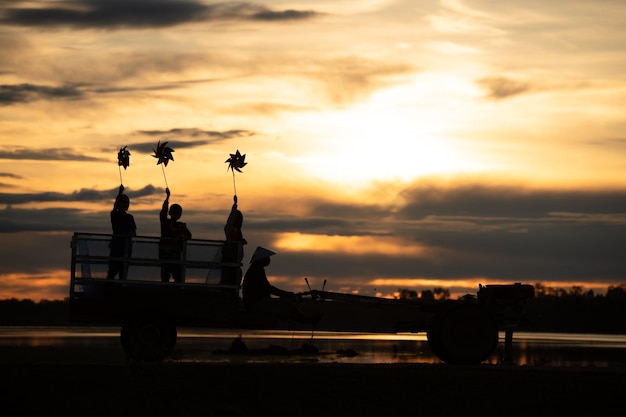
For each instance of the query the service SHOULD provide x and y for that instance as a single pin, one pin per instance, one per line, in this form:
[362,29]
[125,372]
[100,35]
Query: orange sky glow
[390,145]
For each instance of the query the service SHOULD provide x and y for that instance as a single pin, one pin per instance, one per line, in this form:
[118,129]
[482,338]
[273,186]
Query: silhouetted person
[257,292]
[232,251]
[174,234]
[124,228]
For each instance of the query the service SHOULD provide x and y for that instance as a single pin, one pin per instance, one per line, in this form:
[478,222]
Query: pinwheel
[235,163]
[164,154]
[123,160]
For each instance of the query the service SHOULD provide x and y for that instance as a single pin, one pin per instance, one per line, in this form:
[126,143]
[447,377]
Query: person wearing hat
[257,291]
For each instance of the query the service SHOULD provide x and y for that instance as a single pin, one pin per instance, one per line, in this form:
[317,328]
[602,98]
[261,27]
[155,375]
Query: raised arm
[166,204]
[117,197]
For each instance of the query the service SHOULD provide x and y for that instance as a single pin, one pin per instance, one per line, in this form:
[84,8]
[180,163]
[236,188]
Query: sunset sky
[390,144]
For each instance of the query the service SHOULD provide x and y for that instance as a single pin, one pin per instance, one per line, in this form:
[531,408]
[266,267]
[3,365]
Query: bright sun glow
[400,133]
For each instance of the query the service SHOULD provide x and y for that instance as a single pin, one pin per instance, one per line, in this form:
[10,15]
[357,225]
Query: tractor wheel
[464,334]
[149,337]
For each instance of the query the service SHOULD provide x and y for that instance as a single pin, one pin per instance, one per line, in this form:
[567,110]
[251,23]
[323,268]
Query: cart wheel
[465,334]
[149,336]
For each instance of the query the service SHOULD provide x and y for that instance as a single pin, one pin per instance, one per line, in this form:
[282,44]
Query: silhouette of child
[124,228]
[174,234]
[232,251]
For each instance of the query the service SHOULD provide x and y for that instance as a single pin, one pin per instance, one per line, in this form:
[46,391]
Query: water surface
[202,345]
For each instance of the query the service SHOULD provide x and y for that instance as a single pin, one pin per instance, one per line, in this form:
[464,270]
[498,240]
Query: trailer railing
[201,261]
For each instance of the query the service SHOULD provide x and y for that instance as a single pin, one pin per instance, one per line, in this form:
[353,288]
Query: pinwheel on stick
[235,163]
[164,154]
[123,160]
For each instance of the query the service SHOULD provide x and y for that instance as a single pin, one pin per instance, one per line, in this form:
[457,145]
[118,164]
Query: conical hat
[261,253]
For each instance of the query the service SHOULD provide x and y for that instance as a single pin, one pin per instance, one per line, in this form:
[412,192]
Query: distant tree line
[439,293]
[572,310]
[577,311]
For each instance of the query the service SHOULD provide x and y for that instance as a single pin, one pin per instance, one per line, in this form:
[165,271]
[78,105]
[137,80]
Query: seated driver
[257,292]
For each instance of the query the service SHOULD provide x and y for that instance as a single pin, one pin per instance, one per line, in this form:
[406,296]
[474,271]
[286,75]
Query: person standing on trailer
[232,251]
[174,234]
[124,229]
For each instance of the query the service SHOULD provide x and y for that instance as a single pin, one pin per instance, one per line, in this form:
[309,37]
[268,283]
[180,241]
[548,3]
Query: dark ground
[111,387]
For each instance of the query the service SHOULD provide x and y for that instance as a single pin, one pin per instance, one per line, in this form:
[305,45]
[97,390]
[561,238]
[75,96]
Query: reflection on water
[201,345]
[564,349]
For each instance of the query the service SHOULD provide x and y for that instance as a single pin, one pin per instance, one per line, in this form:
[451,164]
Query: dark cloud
[252,11]
[117,89]
[518,233]
[499,88]
[113,14]
[10,175]
[37,252]
[24,93]
[68,219]
[106,13]
[83,194]
[49,154]
[149,147]
[178,138]
[507,201]
[613,143]
[197,133]
[283,15]
[541,250]
[47,220]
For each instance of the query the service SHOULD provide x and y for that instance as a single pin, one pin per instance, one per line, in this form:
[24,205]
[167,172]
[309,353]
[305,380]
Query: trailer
[150,312]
